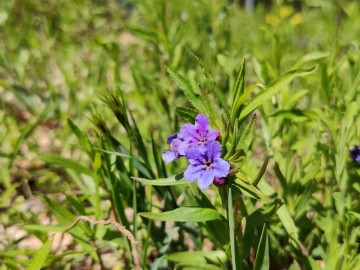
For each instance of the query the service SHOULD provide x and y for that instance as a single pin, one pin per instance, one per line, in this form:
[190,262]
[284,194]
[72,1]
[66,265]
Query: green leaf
[38,261]
[66,163]
[256,181]
[288,222]
[193,98]
[185,214]
[187,114]
[78,133]
[213,84]
[247,135]
[296,115]
[202,102]
[262,214]
[170,181]
[239,102]
[245,187]
[311,57]
[197,256]
[238,89]
[273,88]
[44,228]
[262,261]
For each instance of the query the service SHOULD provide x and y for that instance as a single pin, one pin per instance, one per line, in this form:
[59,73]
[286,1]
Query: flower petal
[189,132]
[195,153]
[193,172]
[169,156]
[213,150]
[202,123]
[206,178]
[171,138]
[220,167]
[212,135]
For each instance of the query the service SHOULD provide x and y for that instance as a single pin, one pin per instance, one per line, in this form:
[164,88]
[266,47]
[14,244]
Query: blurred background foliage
[84,86]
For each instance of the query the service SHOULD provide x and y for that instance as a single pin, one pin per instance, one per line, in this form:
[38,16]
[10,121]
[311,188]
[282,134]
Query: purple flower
[171,154]
[205,164]
[198,134]
[355,153]
[189,136]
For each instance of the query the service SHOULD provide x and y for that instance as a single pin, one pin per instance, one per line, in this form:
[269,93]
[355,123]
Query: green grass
[90,90]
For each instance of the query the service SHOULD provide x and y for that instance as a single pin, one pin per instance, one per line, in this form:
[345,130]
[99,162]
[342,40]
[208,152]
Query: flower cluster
[199,146]
[355,153]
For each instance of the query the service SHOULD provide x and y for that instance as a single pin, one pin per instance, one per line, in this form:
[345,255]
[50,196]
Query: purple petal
[212,135]
[206,178]
[175,145]
[192,173]
[202,123]
[183,146]
[189,132]
[213,149]
[171,138]
[195,154]
[169,156]
[220,167]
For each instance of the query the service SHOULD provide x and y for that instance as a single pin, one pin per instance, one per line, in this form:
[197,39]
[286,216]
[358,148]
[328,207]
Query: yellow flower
[285,11]
[296,19]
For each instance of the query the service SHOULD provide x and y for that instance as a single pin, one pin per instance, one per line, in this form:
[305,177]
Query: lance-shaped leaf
[185,214]
[170,181]
[38,261]
[262,261]
[197,256]
[273,88]
[188,114]
[193,98]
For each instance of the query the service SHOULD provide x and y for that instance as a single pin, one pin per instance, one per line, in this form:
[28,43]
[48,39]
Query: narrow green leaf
[256,181]
[244,185]
[213,84]
[246,136]
[272,89]
[113,153]
[185,214]
[310,57]
[262,261]
[240,101]
[296,115]
[170,181]
[38,261]
[78,133]
[238,89]
[193,98]
[66,163]
[234,141]
[188,114]
[288,222]
[197,256]
[262,214]
[44,228]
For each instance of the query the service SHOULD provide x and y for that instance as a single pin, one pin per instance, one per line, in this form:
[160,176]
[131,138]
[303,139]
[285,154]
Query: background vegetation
[90,90]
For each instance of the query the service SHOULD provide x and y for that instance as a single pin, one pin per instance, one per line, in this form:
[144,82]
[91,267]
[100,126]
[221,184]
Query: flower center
[207,164]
